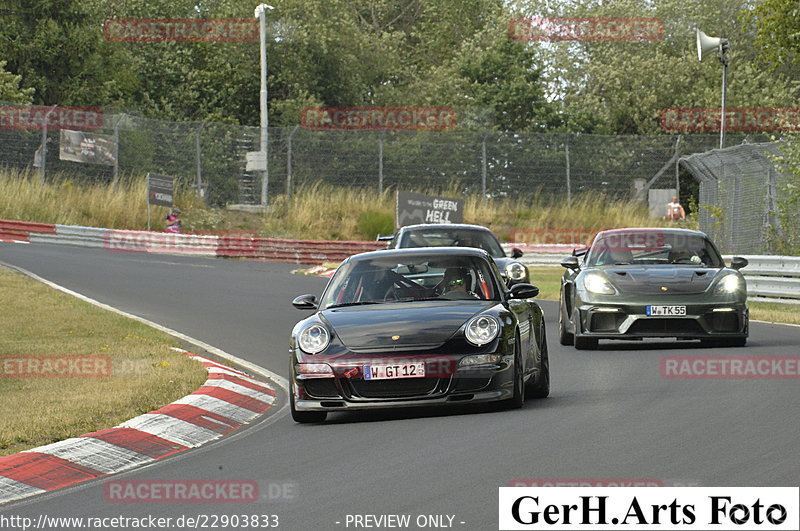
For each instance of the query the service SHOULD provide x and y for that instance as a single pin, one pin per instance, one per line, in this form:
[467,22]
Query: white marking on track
[95,454]
[240,389]
[14,490]
[172,429]
[220,407]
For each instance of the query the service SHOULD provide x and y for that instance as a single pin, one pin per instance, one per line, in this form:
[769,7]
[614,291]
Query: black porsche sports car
[462,235]
[417,327]
[656,282]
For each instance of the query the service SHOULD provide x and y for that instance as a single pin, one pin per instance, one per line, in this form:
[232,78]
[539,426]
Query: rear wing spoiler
[384,238]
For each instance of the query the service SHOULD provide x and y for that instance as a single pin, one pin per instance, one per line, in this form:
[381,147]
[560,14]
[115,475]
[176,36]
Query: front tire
[585,343]
[518,400]
[541,389]
[724,342]
[564,337]
[305,417]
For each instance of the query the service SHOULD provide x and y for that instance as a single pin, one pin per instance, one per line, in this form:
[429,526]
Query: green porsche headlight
[598,283]
[729,284]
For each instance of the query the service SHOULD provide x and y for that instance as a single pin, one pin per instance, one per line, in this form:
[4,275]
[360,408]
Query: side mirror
[516,252]
[738,262]
[570,262]
[523,291]
[305,302]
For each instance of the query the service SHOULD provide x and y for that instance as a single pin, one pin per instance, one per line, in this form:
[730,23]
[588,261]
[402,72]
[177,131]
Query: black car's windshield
[381,280]
[653,248]
[452,237]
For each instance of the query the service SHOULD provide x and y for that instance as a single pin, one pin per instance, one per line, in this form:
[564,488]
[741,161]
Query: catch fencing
[211,157]
[743,200]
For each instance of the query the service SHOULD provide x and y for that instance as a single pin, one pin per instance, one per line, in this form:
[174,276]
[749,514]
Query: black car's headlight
[515,271]
[313,338]
[730,283]
[598,283]
[482,330]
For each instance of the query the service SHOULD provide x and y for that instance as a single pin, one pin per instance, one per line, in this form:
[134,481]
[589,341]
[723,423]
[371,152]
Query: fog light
[479,359]
[313,370]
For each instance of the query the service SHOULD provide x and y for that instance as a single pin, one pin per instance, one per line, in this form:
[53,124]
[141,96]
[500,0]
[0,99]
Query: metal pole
[724,60]
[116,150]
[261,15]
[289,164]
[380,165]
[42,169]
[569,182]
[198,162]
[148,201]
[483,166]
[677,166]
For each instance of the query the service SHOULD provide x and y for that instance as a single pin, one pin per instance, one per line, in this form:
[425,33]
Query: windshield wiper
[360,303]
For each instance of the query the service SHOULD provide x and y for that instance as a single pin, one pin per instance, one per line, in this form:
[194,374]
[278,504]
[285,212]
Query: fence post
[198,161]
[116,149]
[380,163]
[289,164]
[43,147]
[677,166]
[483,166]
[569,182]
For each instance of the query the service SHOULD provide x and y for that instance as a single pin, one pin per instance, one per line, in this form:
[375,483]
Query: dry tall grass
[317,211]
[59,200]
[325,212]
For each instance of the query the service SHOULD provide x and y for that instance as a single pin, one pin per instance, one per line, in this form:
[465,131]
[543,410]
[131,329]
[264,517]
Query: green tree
[10,90]
[57,48]
[778,31]
[622,86]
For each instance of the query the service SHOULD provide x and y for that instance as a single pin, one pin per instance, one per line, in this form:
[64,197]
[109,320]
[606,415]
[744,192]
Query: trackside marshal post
[418,208]
[159,192]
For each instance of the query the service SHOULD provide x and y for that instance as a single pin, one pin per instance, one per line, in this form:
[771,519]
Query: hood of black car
[661,279]
[415,325]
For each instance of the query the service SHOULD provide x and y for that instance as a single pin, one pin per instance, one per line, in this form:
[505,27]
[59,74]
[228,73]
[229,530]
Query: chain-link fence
[742,197]
[212,157]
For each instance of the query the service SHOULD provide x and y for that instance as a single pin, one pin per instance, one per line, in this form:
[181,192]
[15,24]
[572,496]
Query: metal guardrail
[772,278]
[769,278]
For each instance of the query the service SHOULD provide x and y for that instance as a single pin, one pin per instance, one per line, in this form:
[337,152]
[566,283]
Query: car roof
[460,226]
[666,230]
[421,251]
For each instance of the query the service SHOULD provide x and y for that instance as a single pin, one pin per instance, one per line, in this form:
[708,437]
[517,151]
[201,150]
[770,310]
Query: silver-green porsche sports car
[652,282]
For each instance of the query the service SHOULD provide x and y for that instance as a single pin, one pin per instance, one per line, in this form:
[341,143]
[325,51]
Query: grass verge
[41,330]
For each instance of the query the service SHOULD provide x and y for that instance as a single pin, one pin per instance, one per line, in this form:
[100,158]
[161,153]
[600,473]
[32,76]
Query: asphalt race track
[611,414]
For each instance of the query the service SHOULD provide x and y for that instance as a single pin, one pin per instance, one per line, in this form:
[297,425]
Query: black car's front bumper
[630,321]
[339,393]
